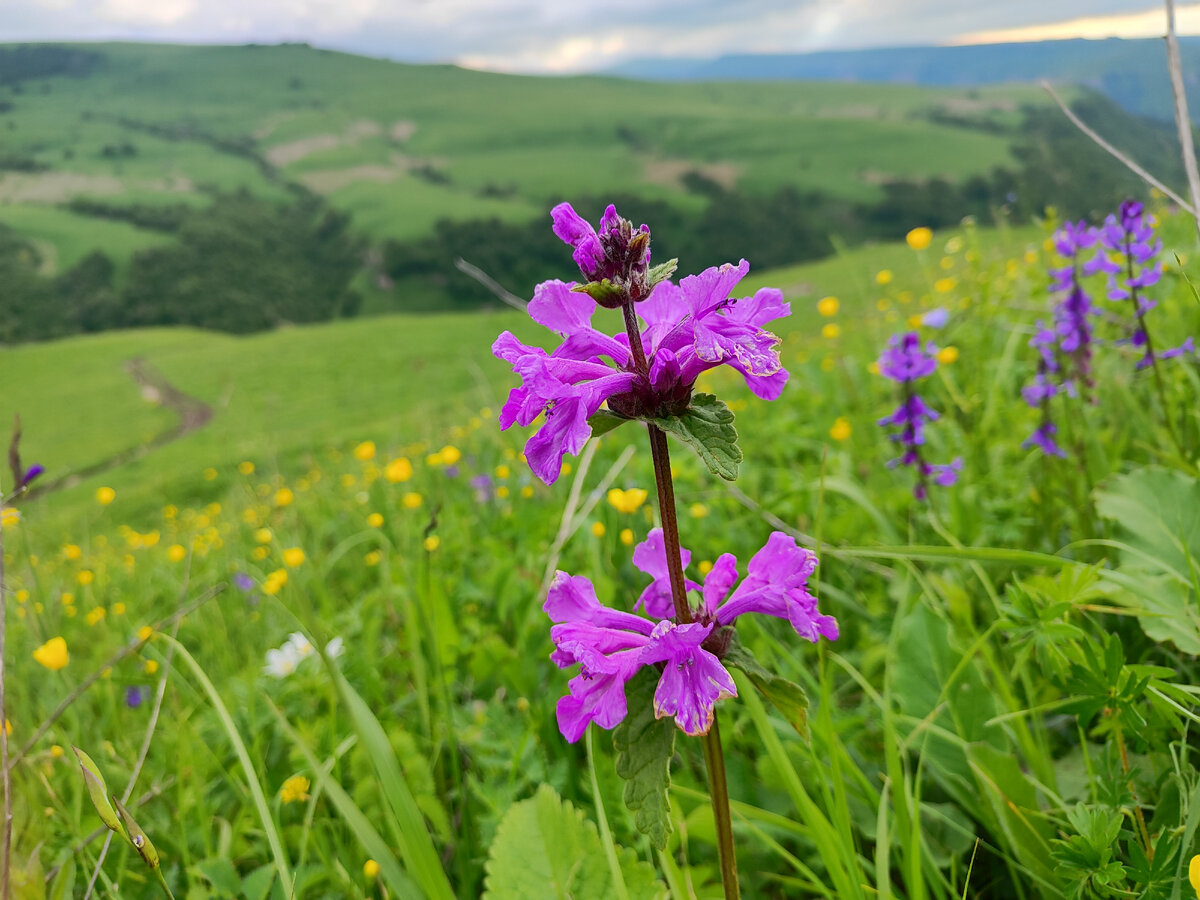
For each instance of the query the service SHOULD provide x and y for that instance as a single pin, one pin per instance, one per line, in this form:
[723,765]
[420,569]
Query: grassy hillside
[401,146]
[399,379]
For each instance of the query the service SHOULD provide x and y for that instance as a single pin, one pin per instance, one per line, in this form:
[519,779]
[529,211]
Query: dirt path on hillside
[193,414]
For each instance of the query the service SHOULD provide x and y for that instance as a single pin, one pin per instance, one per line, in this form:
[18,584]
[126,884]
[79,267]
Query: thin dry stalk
[501,292]
[1114,152]
[1183,121]
[6,777]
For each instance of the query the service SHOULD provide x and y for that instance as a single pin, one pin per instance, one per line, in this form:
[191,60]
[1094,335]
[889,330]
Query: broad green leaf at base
[707,427]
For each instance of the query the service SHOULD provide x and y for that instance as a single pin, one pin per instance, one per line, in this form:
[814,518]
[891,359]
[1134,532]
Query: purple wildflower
[481,484]
[685,330]
[244,582]
[904,361]
[31,473]
[1128,238]
[1043,437]
[611,646]
[135,696]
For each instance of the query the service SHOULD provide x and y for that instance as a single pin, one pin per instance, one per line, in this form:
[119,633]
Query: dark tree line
[242,264]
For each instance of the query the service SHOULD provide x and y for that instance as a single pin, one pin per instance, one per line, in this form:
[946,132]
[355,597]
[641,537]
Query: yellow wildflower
[566,467]
[274,582]
[210,474]
[411,500]
[919,238]
[284,497]
[55,750]
[527,491]
[1193,873]
[375,520]
[946,262]
[705,566]
[831,331]
[945,285]
[246,467]
[8,727]
[828,364]
[698,510]
[118,608]
[399,469]
[96,615]
[883,276]
[432,542]
[292,557]
[22,595]
[502,471]
[371,868]
[365,451]
[841,429]
[1031,256]
[295,789]
[627,537]
[262,536]
[627,501]
[145,633]
[9,516]
[598,529]
[85,577]
[105,496]
[52,654]
[150,666]
[259,553]
[502,492]
[176,552]
[372,558]
[828,306]
[451,454]
[947,355]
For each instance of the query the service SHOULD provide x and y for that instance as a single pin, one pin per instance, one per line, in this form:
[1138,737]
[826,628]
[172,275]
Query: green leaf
[140,840]
[257,885]
[707,426]
[221,874]
[1157,514]
[98,790]
[545,848]
[786,696]
[644,746]
[603,292]
[604,421]
[662,272]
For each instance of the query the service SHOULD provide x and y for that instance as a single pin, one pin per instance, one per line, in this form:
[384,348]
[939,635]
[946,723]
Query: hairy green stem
[5,774]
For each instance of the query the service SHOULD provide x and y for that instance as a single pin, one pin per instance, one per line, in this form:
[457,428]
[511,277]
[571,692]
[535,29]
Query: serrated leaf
[546,848]
[644,746]
[604,421]
[786,696]
[662,272]
[98,790]
[707,427]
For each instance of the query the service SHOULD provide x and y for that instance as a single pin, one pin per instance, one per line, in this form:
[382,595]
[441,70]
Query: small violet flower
[685,330]
[904,361]
[135,696]
[611,646]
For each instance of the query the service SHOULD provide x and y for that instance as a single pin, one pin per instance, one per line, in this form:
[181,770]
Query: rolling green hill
[401,146]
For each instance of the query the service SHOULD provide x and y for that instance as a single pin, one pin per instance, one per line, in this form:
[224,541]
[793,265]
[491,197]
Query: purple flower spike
[905,361]
[31,473]
[618,253]
[1043,438]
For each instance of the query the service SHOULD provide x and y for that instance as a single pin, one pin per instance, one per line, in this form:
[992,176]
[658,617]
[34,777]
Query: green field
[1004,713]
[355,129]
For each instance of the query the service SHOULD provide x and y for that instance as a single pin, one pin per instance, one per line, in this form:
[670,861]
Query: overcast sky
[580,35]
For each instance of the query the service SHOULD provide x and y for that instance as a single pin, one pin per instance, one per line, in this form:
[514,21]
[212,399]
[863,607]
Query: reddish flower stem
[714,757]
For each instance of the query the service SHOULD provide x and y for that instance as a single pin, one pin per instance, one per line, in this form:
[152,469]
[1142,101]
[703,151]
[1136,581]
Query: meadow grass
[951,751]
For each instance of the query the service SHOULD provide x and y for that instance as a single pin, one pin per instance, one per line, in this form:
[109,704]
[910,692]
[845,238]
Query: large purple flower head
[683,330]
[617,254]
[905,360]
[611,646]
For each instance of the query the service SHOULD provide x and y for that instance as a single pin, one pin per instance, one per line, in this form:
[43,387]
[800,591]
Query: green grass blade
[366,833]
[239,747]
[416,845]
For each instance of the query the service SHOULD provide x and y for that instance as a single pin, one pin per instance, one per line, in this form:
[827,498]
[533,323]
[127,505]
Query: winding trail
[193,414]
